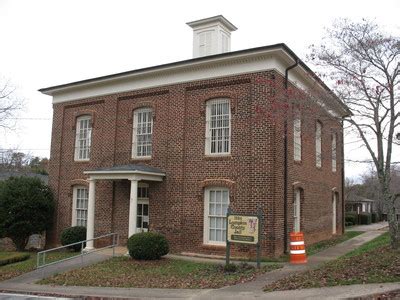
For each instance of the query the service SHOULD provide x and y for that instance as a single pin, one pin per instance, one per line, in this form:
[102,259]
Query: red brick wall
[253,171]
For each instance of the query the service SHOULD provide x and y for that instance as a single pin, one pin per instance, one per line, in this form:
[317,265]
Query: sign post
[244,229]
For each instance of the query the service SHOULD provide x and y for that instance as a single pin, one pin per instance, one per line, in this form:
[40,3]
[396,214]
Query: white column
[90,214]
[133,208]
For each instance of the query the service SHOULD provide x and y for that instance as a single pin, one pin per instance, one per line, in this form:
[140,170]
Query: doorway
[334,200]
[142,220]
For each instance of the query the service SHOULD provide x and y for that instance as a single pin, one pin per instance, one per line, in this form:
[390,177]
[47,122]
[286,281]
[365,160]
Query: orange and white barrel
[297,248]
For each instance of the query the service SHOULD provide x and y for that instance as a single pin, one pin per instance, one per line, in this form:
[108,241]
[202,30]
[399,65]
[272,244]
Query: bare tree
[364,63]
[10,104]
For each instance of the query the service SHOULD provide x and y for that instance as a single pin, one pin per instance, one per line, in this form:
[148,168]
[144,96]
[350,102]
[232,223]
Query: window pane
[83,138]
[142,132]
[218,126]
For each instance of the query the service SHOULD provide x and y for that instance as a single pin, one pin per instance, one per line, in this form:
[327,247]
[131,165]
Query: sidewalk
[253,289]
[374,226]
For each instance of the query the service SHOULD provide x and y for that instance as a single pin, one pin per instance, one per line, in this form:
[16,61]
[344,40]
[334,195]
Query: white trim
[123,172]
[138,176]
[214,67]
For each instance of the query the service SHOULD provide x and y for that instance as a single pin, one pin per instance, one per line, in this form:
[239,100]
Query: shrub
[365,218]
[230,268]
[16,257]
[73,235]
[147,246]
[26,208]
[347,224]
[374,218]
[351,218]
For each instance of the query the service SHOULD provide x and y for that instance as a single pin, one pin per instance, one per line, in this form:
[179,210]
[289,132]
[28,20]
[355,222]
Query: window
[218,123]
[297,138]
[80,205]
[318,144]
[333,152]
[205,38]
[296,210]
[83,138]
[142,133]
[216,201]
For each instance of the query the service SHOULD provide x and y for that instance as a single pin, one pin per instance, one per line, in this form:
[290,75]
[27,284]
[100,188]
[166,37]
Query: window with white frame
[333,152]
[218,123]
[297,138]
[80,206]
[83,137]
[216,201]
[142,133]
[296,210]
[318,144]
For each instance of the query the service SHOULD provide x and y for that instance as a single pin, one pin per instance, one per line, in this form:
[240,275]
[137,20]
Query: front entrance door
[142,220]
[334,213]
[142,216]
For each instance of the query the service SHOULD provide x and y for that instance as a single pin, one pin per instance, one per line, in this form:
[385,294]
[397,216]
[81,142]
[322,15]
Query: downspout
[343,182]
[285,168]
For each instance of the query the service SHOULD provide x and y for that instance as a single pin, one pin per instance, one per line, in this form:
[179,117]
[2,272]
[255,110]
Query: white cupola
[211,36]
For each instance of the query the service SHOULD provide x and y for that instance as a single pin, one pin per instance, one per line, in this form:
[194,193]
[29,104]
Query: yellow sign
[243,229]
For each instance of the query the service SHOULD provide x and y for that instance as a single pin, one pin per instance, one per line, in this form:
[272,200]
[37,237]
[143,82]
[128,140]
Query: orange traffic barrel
[297,248]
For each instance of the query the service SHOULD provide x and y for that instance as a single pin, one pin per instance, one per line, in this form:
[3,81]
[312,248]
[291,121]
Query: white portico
[134,173]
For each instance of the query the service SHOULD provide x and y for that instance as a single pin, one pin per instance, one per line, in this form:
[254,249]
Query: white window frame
[75,202]
[334,152]
[297,211]
[318,144]
[144,110]
[209,128]
[297,139]
[87,140]
[206,229]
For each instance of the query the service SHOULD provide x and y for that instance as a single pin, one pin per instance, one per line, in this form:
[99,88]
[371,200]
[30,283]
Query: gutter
[285,166]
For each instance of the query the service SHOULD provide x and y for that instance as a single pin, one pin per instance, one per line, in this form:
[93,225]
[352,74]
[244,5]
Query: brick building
[169,147]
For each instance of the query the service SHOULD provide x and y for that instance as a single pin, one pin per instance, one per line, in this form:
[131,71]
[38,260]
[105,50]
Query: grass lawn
[317,247]
[373,262]
[165,273]
[18,268]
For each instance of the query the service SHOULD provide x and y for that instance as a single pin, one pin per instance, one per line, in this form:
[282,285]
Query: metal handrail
[115,242]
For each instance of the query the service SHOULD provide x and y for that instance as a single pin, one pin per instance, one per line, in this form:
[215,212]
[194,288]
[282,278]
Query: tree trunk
[394,226]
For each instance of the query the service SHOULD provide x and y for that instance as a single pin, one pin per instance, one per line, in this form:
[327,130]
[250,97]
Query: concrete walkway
[253,289]
[374,226]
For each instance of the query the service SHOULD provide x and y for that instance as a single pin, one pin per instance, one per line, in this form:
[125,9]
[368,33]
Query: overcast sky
[45,43]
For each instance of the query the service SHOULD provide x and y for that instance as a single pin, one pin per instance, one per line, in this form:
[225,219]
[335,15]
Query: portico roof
[131,172]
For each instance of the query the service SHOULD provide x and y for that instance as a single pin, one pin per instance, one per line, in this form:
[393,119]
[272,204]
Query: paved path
[374,226]
[253,289]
